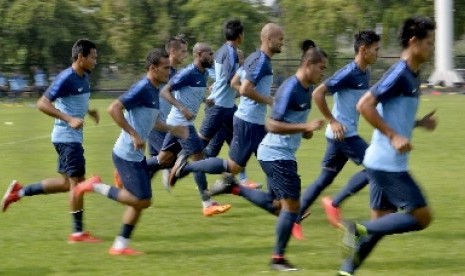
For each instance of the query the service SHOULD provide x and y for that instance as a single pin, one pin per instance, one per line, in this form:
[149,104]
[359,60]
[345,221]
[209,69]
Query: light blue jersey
[189,87]
[226,64]
[141,103]
[292,104]
[259,71]
[347,86]
[397,93]
[70,94]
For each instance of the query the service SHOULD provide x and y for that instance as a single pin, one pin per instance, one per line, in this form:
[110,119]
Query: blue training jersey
[189,87]
[292,104]
[141,103]
[397,93]
[259,71]
[70,94]
[226,64]
[347,86]
[165,106]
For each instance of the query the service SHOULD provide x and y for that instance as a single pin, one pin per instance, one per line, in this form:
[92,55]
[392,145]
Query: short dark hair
[154,57]
[233,29]
[365,38]
[175,42]
[312,53]
[417,26]
[82,46]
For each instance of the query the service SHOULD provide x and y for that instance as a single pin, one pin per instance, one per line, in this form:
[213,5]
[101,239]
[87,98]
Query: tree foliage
[42,31]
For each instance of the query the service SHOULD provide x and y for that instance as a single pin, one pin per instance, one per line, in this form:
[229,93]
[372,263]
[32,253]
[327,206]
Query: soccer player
[226,133]
[396,200]
[347,86]
[66,100]
[189,87]
[136,112]
[276,153]
[177,50]
[249,119]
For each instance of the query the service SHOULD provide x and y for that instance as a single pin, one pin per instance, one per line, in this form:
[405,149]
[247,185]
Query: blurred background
[36,36]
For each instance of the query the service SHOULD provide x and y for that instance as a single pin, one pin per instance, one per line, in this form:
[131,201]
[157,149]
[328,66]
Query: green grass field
[178,240]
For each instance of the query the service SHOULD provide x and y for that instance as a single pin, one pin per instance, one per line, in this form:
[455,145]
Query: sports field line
[46,136]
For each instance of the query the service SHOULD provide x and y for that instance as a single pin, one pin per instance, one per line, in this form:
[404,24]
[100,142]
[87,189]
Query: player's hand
[428,122]
[338,130]
[316,124]
[187,114]
[95,115]
[76,123]
[307,135]
[209,102]
[137,142]
[401,144]
[180,131]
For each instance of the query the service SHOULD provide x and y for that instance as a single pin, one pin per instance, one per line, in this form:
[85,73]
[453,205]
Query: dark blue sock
[77,220]
[34,189]
[283,231]
[394,223]
[202,185]
[261,199]
[113,193]
[126,231]
[314,190]
[355,184]
[153,165]
[211,165]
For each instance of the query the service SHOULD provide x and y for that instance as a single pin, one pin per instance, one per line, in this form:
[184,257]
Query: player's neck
[77,69]
[361,64]
[412,62]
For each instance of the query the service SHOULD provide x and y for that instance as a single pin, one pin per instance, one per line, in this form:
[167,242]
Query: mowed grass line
[178,240]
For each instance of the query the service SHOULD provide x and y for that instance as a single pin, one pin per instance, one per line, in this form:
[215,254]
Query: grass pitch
[178,240]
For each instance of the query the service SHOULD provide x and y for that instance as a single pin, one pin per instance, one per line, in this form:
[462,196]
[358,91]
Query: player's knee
[166,160]
[276,204]
[424,217]
[144,204]
[233,167]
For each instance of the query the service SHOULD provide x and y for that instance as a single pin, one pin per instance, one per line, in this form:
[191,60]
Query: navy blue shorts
[155,140]
[246,138]
[214,146]
[71,159]
[193,144]
[338,152]
[135,176]
[394,191]
[216,117]
[282,179]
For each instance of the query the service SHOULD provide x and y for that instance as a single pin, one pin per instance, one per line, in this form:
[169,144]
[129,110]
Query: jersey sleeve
[180,80]
[282,99]
[229,64]
[255,68]
[133,98]
[57,89]
[388,86]
[339,80]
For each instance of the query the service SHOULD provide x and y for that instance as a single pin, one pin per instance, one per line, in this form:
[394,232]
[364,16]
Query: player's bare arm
[320,101]
[46,106]
[116,112]
[247,89]
[367,107]
[167,94]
